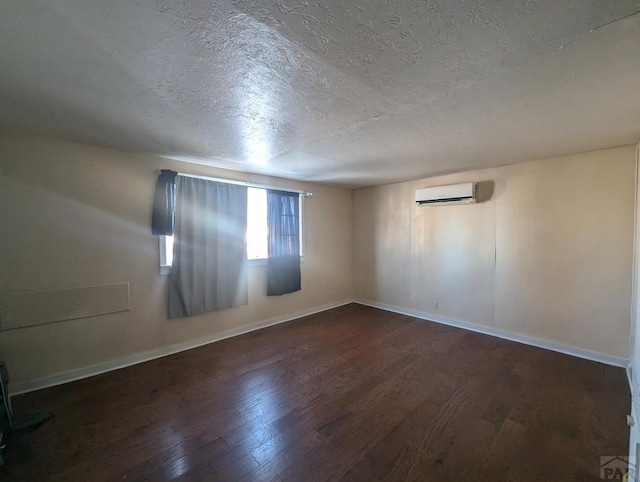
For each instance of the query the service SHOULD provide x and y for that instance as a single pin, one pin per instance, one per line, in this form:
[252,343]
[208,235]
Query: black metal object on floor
[8,426]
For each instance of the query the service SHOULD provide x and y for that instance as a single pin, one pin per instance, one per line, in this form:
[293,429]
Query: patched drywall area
[548,255]
[30,308]
[353,92]
[80,216]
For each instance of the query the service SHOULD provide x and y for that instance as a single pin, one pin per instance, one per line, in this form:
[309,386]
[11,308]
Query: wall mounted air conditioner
[451,194]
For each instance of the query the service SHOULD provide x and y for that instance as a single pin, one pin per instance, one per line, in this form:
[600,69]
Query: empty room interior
[298,240]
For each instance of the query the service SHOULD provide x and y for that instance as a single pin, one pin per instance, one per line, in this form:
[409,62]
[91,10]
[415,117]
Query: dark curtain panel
[164,204]
[283,265]
[209,269]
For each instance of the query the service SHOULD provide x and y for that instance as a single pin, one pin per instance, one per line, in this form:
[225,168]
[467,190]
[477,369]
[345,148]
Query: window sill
[165,270]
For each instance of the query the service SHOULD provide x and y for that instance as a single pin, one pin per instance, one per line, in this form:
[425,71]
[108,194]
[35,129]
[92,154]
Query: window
[257,231]
[166,254]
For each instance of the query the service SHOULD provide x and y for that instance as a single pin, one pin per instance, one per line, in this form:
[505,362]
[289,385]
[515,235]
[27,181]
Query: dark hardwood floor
[354,394]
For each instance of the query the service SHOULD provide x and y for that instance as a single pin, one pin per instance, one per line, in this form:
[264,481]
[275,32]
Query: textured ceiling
[353,92]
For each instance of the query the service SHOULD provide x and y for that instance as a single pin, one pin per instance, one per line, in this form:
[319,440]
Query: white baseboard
[85,372]
[527,340]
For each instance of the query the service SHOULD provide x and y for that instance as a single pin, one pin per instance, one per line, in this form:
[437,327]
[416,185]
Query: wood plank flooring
[354,394]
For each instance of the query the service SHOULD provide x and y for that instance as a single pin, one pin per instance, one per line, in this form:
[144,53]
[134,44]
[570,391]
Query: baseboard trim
[80,373]
[85,372]
[527,340]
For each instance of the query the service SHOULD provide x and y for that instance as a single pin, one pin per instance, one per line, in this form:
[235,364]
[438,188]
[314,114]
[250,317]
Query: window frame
[165,268]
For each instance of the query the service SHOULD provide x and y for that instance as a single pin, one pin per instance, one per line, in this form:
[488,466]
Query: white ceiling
[351,92]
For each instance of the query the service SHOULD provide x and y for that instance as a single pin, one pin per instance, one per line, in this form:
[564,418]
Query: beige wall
[547,254]
[75,216]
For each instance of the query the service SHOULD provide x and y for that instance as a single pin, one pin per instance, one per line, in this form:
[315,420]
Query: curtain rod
[246,183]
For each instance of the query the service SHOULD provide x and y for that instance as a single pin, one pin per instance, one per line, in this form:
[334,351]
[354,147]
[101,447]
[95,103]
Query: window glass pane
[257,230]
[168,250]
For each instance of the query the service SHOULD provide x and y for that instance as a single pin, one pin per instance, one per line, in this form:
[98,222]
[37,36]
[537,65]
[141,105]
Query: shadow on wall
[484,191]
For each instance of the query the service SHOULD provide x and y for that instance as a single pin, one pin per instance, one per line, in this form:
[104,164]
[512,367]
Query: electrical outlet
[330,294]
[435,306]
